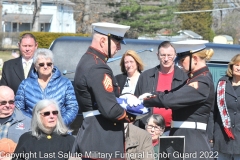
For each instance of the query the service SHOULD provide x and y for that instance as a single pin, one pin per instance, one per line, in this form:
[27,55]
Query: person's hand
[144,95]
[131,100]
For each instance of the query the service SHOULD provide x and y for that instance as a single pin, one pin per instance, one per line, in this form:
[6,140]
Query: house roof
[26,18]
[228,38]
[65,2]
[190,34]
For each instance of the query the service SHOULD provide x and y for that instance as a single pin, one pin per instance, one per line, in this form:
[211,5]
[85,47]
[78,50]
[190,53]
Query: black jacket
[13,74]
[96,89]
[148,81]
[121,80]
[221,141]
[193,105]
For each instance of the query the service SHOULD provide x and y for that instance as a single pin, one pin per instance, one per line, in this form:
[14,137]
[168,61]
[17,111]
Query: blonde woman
[131,67]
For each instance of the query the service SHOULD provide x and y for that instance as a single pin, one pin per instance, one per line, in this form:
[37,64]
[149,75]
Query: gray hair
[157,119]
[46,53]
[37,126]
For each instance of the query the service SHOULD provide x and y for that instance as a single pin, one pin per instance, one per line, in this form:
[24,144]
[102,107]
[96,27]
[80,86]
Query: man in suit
[16,70]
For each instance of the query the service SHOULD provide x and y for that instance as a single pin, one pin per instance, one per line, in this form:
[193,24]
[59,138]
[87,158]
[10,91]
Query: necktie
[26,69]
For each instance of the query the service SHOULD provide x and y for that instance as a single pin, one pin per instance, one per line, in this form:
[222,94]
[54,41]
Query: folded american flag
[135,110]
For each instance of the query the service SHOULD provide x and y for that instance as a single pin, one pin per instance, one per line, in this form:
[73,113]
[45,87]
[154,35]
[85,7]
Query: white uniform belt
[90,113]
[186,124]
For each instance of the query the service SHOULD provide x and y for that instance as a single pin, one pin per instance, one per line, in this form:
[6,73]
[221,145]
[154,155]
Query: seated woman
[155,125]
[46,82]
[48,137]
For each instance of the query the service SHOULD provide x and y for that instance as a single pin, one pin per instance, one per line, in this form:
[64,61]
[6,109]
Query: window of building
[14,27]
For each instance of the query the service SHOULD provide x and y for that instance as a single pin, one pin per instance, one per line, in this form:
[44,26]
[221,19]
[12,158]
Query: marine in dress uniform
[191,104]
[102,130]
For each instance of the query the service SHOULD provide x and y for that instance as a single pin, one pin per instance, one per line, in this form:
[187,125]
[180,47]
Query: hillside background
[157,17]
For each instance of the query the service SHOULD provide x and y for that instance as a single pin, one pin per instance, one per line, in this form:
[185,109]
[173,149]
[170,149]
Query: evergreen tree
[199,22]
[146,17]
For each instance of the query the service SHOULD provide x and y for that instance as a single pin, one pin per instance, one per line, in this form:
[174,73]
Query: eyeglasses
[156,128]
[43,64]
[5,102]
[48,113]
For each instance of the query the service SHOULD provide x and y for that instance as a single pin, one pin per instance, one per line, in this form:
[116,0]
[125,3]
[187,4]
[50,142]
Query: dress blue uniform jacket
[58,88]
[192,105]
[96,89]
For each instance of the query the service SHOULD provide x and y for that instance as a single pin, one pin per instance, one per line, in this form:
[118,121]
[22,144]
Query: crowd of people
[124,115]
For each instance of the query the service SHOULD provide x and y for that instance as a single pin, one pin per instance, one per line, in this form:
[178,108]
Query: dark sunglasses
[42,64]
[5,102]
[48,113]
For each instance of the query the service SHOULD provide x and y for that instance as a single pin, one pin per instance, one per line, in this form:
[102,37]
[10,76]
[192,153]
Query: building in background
[223,39]
[190,34]
[55,16]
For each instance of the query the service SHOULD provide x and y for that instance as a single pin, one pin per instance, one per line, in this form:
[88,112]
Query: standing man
[13,123]
[102,130]
[16,70]
[165,76]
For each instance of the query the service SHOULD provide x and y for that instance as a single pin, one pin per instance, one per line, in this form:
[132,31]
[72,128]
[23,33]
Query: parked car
[68,51]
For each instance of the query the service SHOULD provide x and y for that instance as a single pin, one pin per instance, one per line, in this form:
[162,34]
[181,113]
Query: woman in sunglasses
[48,138]
[46,82]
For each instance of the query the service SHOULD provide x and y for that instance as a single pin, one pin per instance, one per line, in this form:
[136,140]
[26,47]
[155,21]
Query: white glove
[143,96]
[131,99]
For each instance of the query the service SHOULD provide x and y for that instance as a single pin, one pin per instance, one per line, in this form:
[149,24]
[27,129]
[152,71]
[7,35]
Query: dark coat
[13,74]
[193,105]
[221,141]
[96,89]
[121,80]
[147,83]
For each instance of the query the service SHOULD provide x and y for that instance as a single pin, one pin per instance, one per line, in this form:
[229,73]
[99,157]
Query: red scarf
[222,107]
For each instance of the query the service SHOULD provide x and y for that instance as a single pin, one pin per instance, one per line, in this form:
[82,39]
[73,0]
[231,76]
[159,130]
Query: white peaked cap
[110,28]
[190,46]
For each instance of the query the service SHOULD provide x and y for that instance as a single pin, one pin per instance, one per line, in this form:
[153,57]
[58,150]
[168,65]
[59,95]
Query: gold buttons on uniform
[131,118]
[114,124]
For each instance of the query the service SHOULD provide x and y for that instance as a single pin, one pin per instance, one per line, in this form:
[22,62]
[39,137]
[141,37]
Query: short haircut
[234,60]
[136,57]
[46,53]
[158,120]
[165,44]
[36,125]
[27,35]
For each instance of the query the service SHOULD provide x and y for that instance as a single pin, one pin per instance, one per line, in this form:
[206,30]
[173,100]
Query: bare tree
[1,15]
[230,25]
[36,13]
